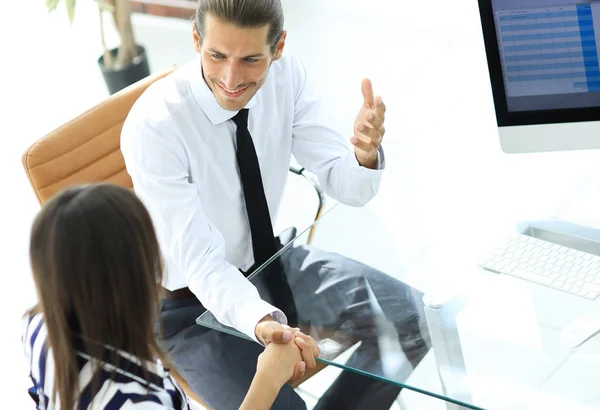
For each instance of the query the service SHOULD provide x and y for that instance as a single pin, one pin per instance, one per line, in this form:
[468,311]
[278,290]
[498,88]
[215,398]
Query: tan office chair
[87,149]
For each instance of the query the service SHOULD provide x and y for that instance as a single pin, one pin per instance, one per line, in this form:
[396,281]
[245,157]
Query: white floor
[425,58]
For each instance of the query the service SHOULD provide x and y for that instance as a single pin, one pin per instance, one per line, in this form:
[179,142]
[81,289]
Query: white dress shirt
[179,148]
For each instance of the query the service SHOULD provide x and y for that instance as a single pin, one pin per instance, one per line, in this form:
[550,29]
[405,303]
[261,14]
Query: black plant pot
[118,79]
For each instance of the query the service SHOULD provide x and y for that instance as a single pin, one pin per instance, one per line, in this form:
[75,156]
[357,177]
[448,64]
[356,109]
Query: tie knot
[241,118]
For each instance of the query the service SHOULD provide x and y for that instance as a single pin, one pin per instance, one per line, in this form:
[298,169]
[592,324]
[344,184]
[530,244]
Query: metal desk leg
[441,322]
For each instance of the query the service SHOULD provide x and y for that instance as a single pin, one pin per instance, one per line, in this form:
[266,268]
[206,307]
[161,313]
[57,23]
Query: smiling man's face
[235,60]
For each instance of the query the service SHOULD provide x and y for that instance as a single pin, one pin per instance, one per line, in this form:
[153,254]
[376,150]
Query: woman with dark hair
[90,340]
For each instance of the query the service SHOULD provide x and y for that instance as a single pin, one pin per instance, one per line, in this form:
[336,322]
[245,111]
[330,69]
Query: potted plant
[125,64]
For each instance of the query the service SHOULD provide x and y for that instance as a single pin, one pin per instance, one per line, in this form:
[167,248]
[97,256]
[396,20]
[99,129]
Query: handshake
[288,353]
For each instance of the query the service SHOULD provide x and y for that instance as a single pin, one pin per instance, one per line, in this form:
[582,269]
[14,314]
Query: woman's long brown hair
[96,265]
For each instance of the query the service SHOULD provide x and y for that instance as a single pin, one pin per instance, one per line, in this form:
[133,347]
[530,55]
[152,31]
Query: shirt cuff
[380,159]
[356,167]
[253,314]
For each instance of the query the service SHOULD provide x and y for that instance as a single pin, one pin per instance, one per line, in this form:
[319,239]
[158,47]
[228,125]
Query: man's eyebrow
[212,50]
[257,55]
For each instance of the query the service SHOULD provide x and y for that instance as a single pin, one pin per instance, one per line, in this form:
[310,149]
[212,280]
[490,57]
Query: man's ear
[197,39]
[280,46]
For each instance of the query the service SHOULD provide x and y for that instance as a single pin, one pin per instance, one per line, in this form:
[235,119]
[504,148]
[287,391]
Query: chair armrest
[298,170]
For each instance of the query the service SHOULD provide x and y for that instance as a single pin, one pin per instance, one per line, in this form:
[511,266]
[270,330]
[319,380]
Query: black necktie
[261,229]
[264,244]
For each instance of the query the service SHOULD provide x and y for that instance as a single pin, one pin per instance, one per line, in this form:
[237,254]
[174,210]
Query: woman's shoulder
[34,338]
[34,333]
[125,386]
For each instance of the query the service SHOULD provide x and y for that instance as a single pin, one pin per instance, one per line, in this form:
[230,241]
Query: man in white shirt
[208,149]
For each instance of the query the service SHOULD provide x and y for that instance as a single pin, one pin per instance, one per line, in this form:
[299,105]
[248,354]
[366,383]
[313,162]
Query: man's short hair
[243,13]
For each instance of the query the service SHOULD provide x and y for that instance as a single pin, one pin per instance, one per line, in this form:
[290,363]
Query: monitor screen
[543,59]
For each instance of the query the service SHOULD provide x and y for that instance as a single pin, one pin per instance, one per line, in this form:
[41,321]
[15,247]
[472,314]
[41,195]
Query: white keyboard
[547,263]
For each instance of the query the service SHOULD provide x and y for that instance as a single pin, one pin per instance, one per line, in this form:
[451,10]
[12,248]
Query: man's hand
[308,347]
[368,128]
[269,331]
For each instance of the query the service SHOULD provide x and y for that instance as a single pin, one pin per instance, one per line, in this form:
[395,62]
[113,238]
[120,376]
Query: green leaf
[51,5]
[105,6]
[70,9]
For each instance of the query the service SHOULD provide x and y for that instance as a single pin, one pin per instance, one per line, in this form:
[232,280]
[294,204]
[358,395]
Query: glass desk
[493,341]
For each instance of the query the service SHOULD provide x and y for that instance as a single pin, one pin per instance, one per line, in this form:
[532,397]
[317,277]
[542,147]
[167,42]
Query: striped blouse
[118,388]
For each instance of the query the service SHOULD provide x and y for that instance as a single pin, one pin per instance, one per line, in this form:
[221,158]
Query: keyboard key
[583,292]
[532,277]
[592,287]
[570,274]
[508,268]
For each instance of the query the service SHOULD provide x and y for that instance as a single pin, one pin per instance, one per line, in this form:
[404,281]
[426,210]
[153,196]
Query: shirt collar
[157,369]
[206,99]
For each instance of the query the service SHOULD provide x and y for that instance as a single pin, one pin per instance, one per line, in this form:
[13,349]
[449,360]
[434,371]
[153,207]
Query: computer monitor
[543,64]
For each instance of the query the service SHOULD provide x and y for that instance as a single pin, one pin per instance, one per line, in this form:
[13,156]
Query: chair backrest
[87,148]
